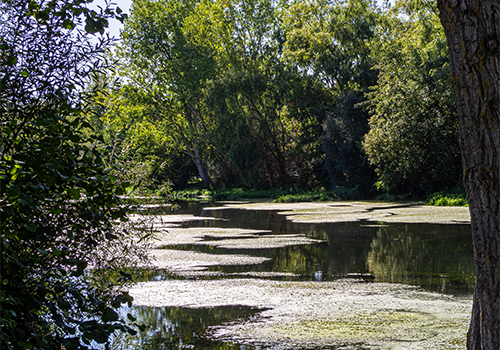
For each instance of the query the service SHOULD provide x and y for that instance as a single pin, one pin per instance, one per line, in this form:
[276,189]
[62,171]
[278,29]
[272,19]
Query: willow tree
[473,32]
[331,41]
[161,59]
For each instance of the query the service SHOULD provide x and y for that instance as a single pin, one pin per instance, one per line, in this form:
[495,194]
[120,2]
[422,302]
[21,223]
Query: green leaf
[100,337]
[109,315]
[56,251]
[119,191]
[15,169]
[68,24]
[131,331]
[13,190]
[25,199]
[8,131]
[75,194]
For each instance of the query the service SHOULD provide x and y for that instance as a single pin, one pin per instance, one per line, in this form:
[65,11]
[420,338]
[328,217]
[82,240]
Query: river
[243,278]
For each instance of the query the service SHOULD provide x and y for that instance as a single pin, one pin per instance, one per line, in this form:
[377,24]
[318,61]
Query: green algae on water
[350,211]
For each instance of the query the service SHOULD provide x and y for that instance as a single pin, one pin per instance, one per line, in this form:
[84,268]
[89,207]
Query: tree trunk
[473,32]
[195,156]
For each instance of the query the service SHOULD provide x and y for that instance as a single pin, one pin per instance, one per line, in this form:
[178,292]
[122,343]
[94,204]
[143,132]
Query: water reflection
[436,257]
[182,328]
[433,256]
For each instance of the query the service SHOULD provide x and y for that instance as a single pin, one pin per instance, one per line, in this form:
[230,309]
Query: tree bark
[472,28]
[195,155]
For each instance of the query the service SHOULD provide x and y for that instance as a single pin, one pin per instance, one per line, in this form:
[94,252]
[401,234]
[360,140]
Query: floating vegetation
[314,314]
[165,221]
[311,286]
[200,235]
[322,212]
[184,261]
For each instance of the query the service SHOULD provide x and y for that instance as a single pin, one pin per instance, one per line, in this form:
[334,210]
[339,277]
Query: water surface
[436,258]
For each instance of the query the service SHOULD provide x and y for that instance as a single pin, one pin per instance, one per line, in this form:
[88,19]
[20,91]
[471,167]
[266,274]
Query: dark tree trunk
[473,31]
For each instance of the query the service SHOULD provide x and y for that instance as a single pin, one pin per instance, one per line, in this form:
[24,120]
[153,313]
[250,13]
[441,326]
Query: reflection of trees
[417,254]
[437,256]
[176,327]
[302,260]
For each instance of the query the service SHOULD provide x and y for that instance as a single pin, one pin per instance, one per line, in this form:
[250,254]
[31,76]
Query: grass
[190,194]
[304,197]
[233,194]
[455,199]
[240,193]
[280,195]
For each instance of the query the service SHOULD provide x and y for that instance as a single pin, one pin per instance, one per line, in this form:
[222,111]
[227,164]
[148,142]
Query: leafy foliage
[167,70]
[266,118]
[444,198]
[413,138]
[140,146]
[59,205]
[266,94]
[211,74]
[332,42]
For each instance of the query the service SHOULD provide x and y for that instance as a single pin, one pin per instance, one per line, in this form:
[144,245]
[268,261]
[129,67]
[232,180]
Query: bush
[448,199]
[303,197]
[59,204]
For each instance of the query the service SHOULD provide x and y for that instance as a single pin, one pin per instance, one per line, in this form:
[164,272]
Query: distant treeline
[267,94]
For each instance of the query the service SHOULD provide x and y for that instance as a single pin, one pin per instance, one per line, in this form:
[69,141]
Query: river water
[435,258]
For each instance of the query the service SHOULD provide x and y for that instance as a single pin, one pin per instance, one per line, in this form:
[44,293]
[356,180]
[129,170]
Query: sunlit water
[436,258]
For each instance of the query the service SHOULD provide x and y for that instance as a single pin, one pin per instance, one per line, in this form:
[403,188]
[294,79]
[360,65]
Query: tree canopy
[413,138]
[266,94]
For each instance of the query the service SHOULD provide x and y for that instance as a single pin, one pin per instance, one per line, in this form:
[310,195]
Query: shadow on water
[183,328]
[434,257]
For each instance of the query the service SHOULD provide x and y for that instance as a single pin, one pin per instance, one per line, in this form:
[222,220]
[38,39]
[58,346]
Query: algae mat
[350,211]
[344,314]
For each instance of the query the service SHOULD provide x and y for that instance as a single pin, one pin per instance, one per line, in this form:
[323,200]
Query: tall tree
[332,42]
[261,106]
[472,28]
[161,58]
[413,137]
